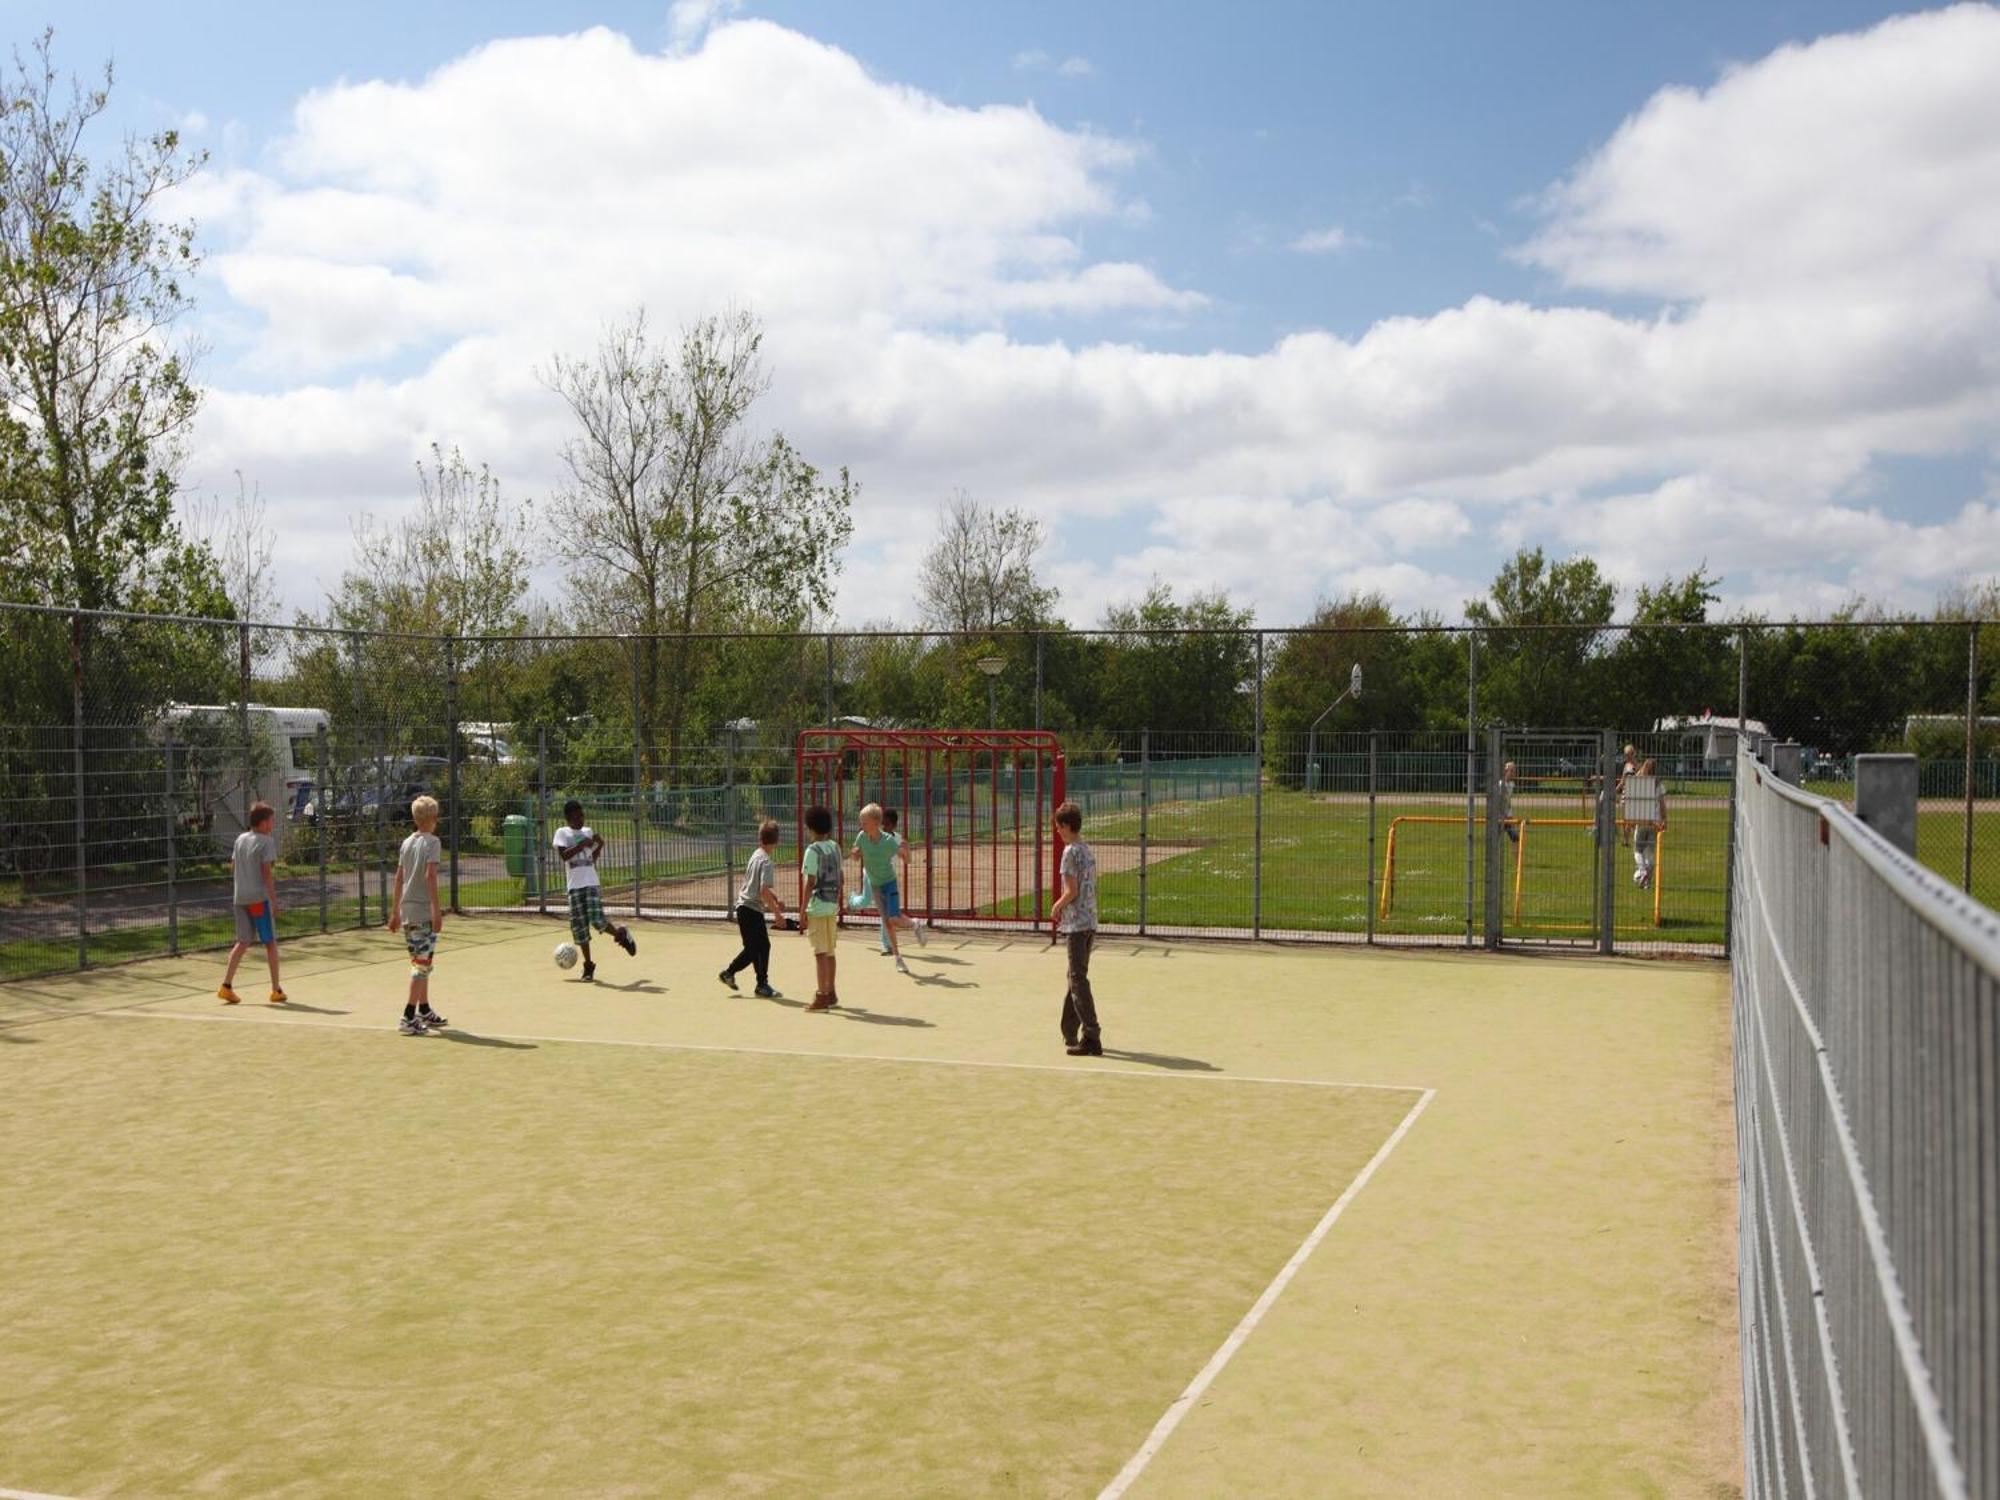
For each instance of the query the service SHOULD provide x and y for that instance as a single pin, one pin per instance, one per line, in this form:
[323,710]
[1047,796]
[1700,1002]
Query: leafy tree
[95,398]
[979,575]
[675,516]
[1653,674]
[1185,685]
[1541,676]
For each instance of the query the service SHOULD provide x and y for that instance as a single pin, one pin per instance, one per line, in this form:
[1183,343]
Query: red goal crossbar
[977,809]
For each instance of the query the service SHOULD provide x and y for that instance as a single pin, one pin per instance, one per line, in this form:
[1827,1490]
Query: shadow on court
[308,1010]
[473,1039]
[1162,1060]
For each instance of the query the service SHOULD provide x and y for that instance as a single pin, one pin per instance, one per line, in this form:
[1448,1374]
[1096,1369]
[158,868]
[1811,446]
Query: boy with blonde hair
[253,866]
[878,849]
[416,911]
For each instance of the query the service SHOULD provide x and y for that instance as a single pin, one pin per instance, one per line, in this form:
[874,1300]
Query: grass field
[650,1237]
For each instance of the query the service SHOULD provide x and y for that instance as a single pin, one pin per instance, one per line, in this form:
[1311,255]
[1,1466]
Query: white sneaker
[917,928]
[901,967]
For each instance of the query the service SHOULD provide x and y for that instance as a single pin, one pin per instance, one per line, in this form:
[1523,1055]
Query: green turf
[348,1263]
[1317,874]
[578,1250]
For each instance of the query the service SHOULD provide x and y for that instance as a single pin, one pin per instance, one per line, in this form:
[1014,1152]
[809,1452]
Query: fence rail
[1256,800]
[1867,1019]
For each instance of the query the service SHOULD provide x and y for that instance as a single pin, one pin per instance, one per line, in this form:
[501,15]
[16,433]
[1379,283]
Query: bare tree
[676,516]
[979,574]
[238,535]
[457,565]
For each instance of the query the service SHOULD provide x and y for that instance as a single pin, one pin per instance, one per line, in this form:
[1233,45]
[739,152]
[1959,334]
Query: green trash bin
[514,837]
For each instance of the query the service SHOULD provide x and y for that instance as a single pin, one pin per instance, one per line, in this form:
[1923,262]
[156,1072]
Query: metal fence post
[540,866]
[728,816]
[357,740]
[1368,876]
[320,799]
[451,759]
[243,718]
[1607,842]
[1145,807]
[1495,836]
[1971,724]
[1257,799]
[76,790]
[1039,639]
[638,740]
[173,893]
[829,679]
[1735,760]
[1471,766]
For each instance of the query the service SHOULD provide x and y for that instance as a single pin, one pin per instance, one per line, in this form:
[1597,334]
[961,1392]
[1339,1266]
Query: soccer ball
[565,955]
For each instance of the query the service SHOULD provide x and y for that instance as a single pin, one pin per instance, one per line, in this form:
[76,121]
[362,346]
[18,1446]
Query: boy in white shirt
[578,846]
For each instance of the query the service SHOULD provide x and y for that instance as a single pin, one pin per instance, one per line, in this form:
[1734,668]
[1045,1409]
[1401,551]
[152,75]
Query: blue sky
[1418,141]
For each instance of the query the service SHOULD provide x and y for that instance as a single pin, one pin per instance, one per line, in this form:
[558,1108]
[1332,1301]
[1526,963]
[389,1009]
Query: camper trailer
[209,751]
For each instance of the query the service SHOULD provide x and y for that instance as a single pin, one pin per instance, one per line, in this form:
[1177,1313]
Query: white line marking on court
[29,1495]
[1161,1076]
[1184,1402]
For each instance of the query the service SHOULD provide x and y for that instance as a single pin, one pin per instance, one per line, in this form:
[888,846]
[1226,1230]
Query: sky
[1290,300]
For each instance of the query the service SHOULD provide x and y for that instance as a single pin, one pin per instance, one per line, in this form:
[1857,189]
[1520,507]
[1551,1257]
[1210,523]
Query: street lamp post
[1312,734]
[992,666]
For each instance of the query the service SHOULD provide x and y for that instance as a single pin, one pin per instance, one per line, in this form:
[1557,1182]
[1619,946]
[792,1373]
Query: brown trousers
[1079,1012]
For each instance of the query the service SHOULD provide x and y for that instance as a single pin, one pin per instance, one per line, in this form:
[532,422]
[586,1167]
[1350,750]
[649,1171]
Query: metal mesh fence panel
[1868,1104]
[1234,781]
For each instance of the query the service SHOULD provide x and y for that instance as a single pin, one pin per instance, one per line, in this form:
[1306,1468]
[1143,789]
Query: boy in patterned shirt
[578,846]
[415,910]
[1075,918]
[820,871]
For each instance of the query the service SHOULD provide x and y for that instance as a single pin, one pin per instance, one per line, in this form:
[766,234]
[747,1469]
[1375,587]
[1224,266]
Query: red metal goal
[977,809]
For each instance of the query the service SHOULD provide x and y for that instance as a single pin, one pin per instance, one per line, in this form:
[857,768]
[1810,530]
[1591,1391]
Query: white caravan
[208,740]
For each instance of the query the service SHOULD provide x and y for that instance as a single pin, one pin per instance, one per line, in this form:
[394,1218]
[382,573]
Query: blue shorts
[887,900]
[253,923]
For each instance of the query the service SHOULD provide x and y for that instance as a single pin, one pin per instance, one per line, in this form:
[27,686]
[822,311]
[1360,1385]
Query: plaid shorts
[586,911]
[422,940]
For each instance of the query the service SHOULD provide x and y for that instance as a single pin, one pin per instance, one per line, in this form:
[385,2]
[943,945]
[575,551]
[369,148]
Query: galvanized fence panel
[1258,795]
[1867,1020]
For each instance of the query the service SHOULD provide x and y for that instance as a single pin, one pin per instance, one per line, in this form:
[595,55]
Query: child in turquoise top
[878,850]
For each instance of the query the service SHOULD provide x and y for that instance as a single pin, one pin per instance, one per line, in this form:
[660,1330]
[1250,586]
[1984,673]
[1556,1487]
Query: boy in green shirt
[878,851]
[821,869]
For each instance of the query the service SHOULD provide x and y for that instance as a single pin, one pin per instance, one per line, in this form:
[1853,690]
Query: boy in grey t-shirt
[1075,919]
[255,899]
[416,910]
[758,895]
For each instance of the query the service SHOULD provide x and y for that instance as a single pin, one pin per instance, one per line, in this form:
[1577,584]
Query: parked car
[390,783]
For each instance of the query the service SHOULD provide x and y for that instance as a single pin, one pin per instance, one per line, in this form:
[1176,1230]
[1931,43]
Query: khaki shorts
[823,932]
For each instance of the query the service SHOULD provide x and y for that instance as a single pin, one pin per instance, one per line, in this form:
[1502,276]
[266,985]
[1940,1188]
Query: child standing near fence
[758,895]
[253,869]
[1074,917]
[578,846]
[416,911]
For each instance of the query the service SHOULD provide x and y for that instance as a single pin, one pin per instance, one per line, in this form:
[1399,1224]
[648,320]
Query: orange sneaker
[227,995]
[277,997]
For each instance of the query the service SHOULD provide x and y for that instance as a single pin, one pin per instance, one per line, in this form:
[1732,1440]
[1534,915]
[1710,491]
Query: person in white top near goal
[1645,813]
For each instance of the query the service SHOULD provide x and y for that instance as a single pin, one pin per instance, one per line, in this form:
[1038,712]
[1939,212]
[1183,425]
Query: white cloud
[1035,60]
[1327,241]
[411,251]
[688,21]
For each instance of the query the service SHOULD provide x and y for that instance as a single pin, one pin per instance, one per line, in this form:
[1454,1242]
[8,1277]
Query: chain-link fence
[1867,1110]
[1475,791]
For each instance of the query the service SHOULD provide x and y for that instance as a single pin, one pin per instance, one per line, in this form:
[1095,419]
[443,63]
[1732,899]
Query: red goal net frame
[977,810]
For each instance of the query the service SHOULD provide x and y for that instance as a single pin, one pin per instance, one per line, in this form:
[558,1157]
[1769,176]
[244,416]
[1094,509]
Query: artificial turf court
[649,1237]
